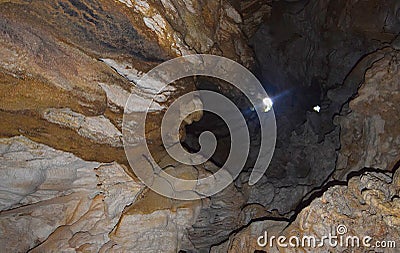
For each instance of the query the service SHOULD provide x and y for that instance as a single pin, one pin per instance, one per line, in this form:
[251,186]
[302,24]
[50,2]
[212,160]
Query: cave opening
[311,64]
[69,182]
[216,125]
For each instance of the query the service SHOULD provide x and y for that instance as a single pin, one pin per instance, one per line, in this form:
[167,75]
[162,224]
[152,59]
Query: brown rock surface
[67,68]
[370,135]
[367,206]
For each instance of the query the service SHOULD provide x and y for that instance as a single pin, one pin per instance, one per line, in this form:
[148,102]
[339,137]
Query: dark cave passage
[216,125]
[306,60]
[81,173]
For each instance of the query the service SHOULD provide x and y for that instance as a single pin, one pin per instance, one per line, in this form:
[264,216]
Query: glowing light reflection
[268,103]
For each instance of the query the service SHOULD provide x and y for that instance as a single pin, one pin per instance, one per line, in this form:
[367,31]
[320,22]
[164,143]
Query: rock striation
[68,67]
[52,200]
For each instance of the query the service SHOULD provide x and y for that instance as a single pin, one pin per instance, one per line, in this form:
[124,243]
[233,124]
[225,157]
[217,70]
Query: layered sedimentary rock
[53,200]
[67,70]
[68,67]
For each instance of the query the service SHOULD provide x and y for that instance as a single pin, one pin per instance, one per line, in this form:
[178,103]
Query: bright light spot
[317,108]
[267,104]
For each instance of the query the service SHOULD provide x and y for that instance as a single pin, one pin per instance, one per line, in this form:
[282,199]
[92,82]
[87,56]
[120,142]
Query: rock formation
[68,67]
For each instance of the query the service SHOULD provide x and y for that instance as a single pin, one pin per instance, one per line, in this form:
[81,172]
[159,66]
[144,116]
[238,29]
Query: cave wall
[67,68]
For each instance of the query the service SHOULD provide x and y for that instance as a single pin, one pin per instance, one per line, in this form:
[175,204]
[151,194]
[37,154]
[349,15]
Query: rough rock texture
[253,13]
[304,164]
[95,38]
[372,121]
[317,53]
[156,224]
[314,45]
[66,71]
[53,200]
[368,206]
[369,137]
[246,240]
[218,219]
[67,68]
[366,203]
[186,26]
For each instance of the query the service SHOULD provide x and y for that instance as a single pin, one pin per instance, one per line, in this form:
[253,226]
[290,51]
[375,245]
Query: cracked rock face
[368,203]
[68,67]
[67,70]
[367,206]
[51,199]
[372,122]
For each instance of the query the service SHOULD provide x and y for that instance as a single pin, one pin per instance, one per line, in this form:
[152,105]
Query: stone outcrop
[304,65]
[367,206]
[370,135]
[68,67]
[51,199]
[362,192]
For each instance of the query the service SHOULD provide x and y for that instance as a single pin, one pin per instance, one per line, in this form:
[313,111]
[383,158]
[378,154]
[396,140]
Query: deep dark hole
[215,124]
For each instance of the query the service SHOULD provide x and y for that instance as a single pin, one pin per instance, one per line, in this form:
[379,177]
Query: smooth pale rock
[52,200]
[129,72]
[97,128]
[124,69]
[163,230]
[33,172]
[115,94]
[127,2]
[139,103]
[142,92]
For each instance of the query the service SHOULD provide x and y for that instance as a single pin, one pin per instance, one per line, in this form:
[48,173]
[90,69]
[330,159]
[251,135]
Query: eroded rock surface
[370,135]
[68,67]
[368,206]
[367,203]
[51,199]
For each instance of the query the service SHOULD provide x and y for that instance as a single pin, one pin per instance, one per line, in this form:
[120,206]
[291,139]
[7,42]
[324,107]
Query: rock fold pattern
[67,68]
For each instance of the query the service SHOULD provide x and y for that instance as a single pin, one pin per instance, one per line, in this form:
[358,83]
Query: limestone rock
[246,240]
[370,135]
[54,201]
[368,206]
[253,13]
[97,128]
[67,68]
[160,230]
